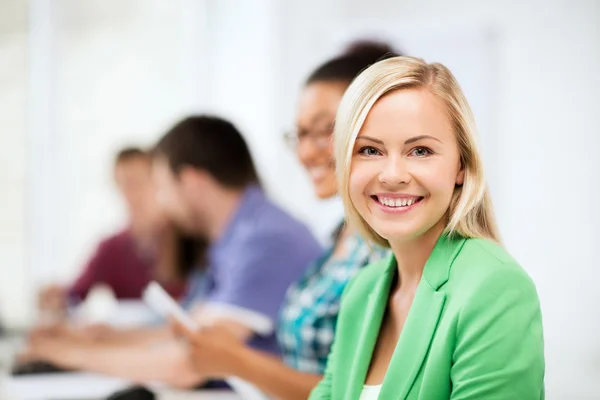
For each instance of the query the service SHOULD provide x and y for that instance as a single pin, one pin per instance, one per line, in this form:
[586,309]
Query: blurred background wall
[79,79]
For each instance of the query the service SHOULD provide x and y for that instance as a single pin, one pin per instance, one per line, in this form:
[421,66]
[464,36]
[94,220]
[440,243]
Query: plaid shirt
[309,313]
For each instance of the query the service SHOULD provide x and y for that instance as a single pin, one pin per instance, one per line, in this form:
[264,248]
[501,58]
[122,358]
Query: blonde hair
[470,213]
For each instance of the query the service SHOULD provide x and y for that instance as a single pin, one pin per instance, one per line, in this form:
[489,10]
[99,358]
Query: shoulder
[275,218]
[270,224]
[485,275]
[486,250]
[483,262]
[274,240]
[115,241]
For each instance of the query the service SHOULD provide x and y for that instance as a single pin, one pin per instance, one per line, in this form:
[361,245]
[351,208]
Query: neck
[412,255]
[144,231]
[146,238]
[225,205]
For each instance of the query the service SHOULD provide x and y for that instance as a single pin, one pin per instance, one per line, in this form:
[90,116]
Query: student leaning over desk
[207,183]
[451,315]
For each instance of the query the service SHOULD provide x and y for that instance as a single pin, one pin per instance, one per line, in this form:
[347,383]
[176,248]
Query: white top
[370,392]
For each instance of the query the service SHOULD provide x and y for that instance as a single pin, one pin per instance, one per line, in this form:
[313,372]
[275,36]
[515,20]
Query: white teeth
[397,202]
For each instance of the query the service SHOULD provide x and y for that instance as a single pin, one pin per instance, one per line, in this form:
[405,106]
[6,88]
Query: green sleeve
[499,352]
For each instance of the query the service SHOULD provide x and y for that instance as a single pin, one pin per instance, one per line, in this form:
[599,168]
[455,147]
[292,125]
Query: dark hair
[129,153]
[211,144]
[358,56]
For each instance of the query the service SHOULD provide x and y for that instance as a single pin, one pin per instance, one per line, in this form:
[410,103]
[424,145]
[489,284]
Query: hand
[72,333]
[52,298]
[54,350]
[215,351]
[48,330]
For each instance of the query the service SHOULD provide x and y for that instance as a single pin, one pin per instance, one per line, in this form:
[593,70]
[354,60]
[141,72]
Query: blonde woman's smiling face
[405,165]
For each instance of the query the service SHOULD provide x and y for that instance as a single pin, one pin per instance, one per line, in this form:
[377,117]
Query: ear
[190,177]
[460,177]
[187,178]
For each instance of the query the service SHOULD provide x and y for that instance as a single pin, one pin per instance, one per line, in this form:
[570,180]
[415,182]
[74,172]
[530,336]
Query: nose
[307,151]
[395,171]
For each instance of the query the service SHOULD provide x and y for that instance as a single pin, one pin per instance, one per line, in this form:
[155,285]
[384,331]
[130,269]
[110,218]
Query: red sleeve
[93,273]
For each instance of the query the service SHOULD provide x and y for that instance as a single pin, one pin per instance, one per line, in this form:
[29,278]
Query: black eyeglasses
[319,137]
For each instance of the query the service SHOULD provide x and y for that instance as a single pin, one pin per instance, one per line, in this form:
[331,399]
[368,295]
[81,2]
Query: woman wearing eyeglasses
[308,316]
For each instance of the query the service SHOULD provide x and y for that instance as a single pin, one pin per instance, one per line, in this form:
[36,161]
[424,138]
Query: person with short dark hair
[207,183]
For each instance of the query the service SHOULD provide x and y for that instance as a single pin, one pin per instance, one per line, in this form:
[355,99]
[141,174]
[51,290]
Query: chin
[407,233]
[396,232]
[182,225]
[325,192]
[397,236]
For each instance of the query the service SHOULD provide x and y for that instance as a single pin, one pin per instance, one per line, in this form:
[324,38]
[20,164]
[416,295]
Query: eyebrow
[421,137]
[408,141]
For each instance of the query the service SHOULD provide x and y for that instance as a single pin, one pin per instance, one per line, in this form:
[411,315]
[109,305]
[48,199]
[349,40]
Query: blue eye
[368,151]
[421,152]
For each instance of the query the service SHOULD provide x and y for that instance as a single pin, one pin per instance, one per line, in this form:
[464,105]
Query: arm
[165,362]
[92,273]
[323,390]
[272,376]
[55,298]
[137,354]
[499,351]
[218,353]
[258,279]
[104,334]
[122,337]
[52,298]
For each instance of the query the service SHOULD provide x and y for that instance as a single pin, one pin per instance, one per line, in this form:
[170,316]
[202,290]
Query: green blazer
[474,330]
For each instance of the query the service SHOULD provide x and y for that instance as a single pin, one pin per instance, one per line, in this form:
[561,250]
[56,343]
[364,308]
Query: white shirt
[370,392]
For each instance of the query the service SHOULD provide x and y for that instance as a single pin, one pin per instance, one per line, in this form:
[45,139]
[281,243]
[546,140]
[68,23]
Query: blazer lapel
[368,328]
[414,343]
[421,323]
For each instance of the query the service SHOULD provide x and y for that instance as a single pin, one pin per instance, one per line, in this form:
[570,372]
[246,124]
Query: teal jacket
[474,330]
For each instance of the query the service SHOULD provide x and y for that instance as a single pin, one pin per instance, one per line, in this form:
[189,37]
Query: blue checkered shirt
[309,313]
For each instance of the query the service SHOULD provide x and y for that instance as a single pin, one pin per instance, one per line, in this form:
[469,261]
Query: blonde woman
[451,315]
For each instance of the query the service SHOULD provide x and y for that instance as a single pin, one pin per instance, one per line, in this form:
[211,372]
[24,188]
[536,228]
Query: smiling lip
[395,203]
[317,174]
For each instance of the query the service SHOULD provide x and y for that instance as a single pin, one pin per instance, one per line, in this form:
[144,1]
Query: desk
[201,395]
